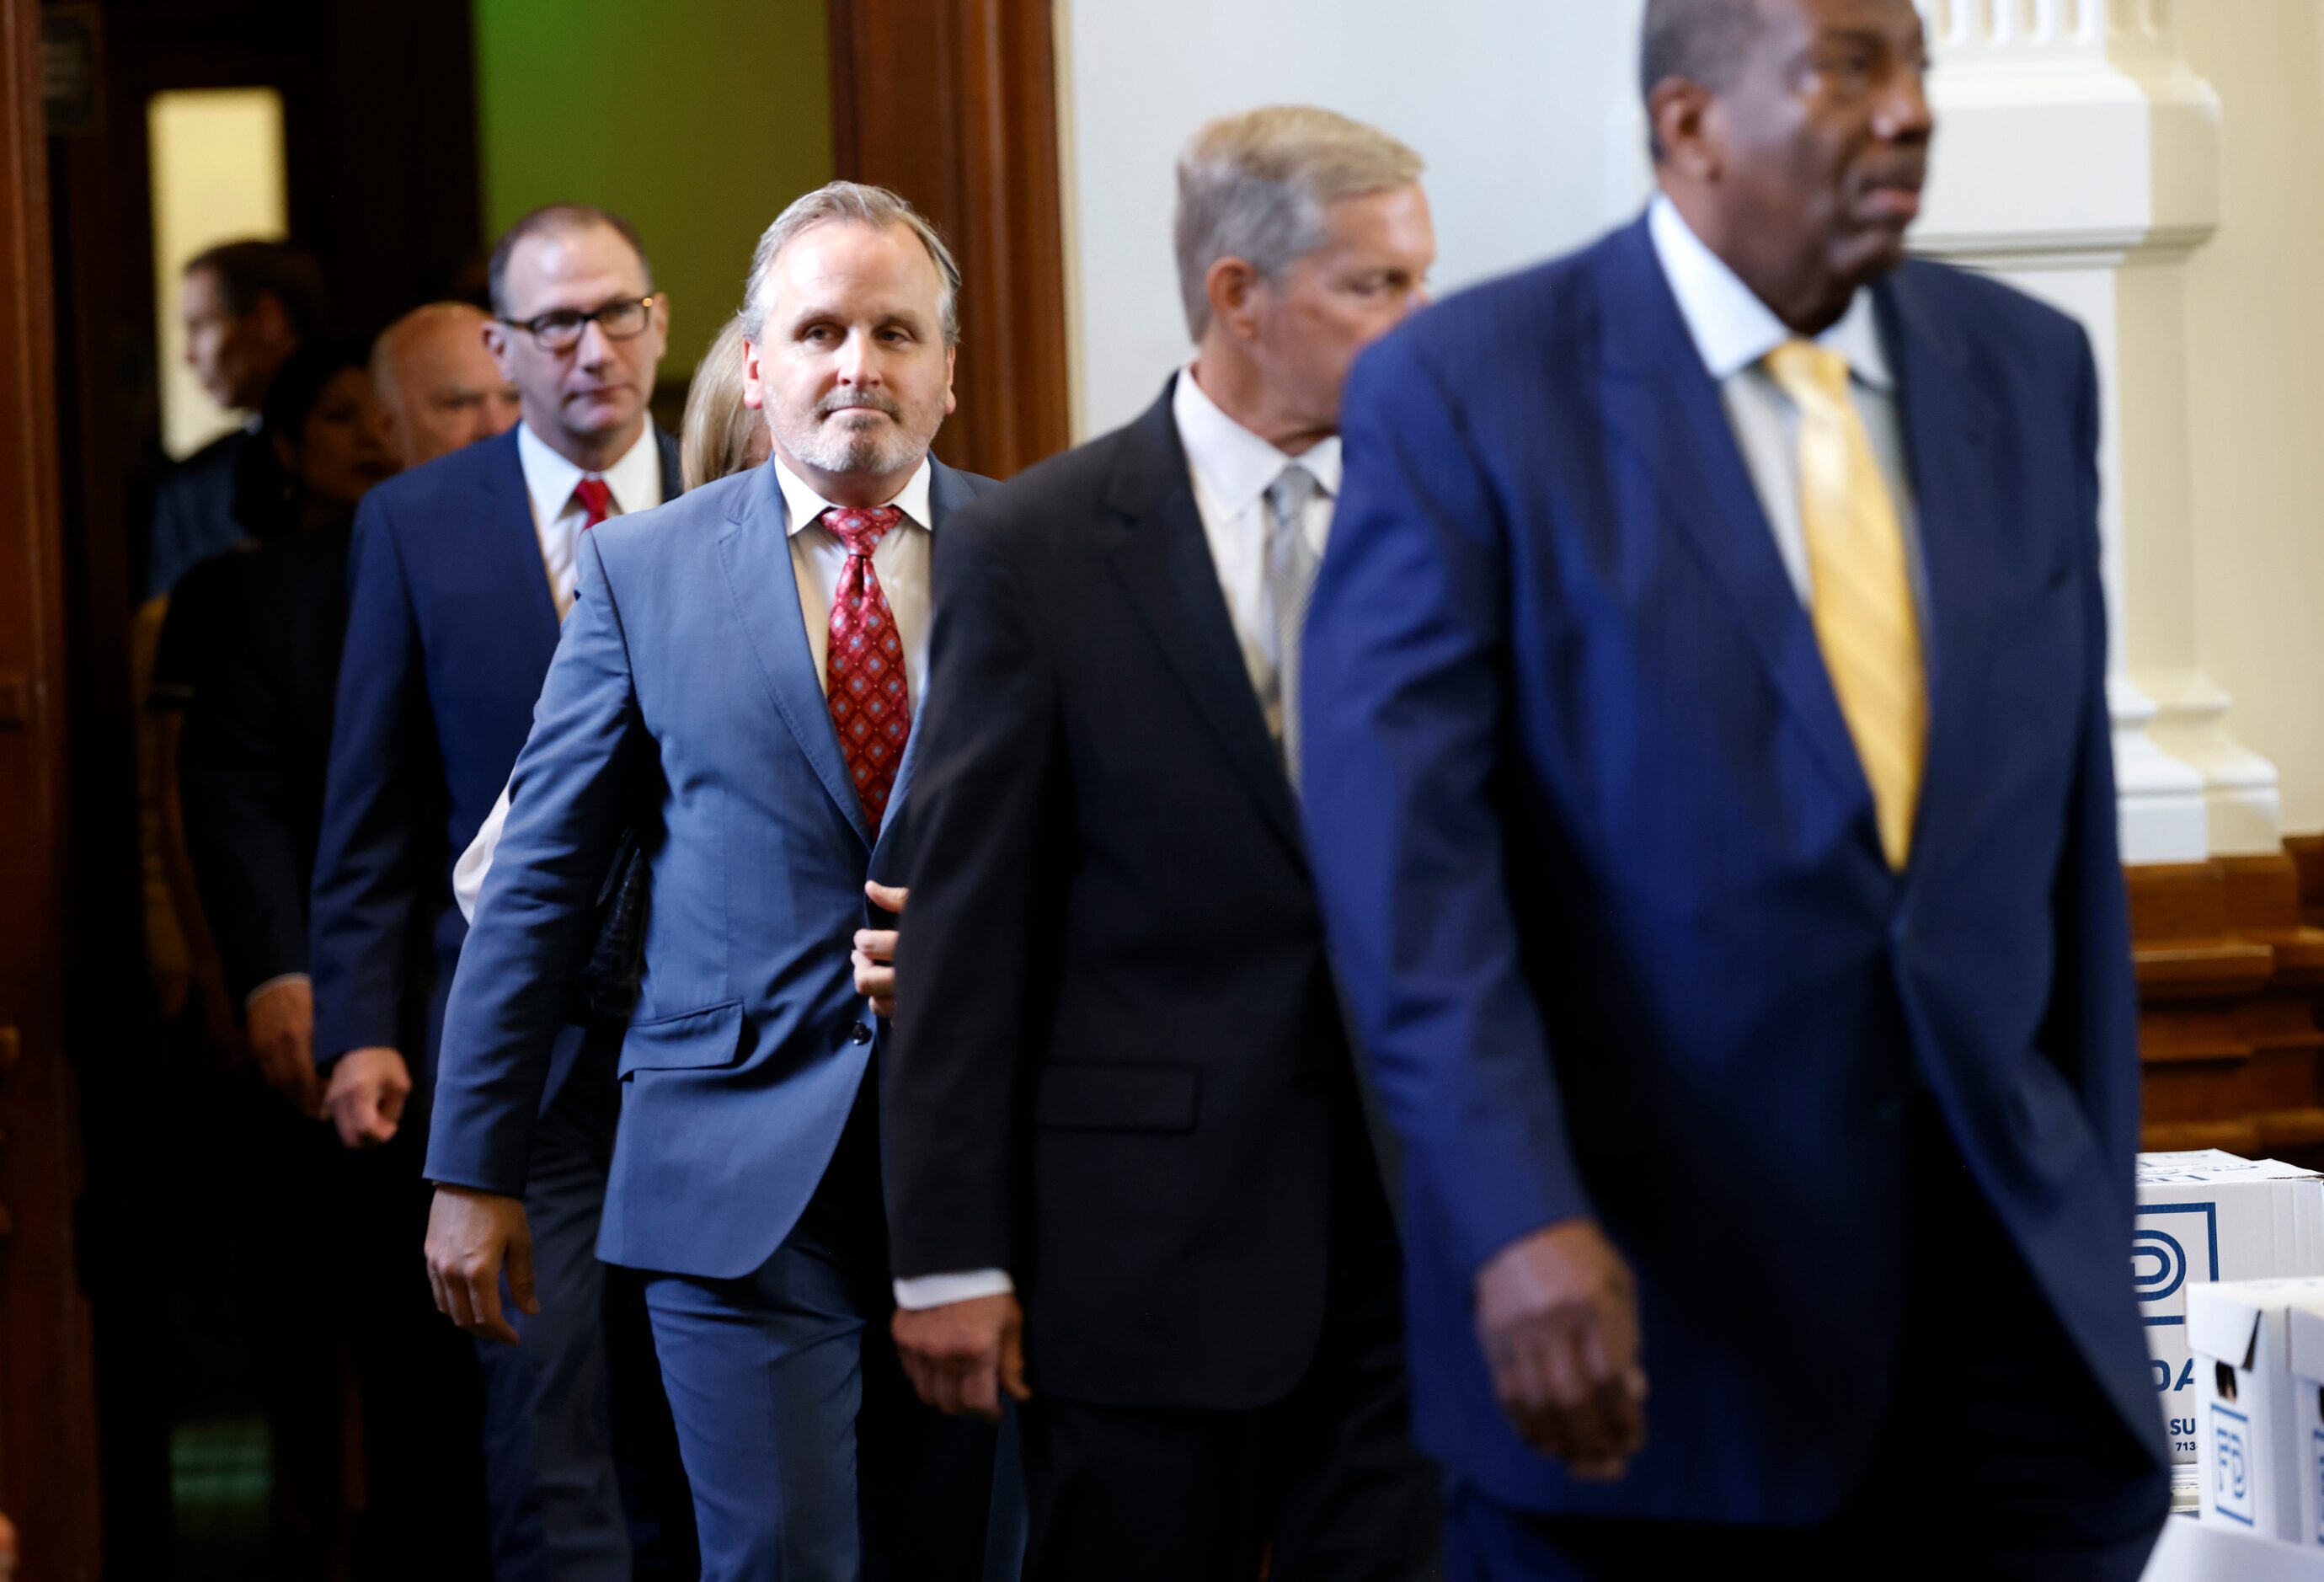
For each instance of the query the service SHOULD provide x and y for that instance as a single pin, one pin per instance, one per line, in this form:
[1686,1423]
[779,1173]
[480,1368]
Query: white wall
[1523,111]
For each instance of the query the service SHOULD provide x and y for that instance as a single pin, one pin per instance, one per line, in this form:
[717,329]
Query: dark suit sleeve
[983,808]
[1404,723]
[570,798]
[238,783]
[2091,1031]
[368,856]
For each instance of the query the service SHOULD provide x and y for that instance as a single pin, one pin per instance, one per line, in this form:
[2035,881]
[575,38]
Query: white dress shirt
[1734,330]
[901,563]
[635,480]
[1232,469]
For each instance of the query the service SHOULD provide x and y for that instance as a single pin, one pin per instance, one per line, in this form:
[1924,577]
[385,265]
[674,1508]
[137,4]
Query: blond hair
[714,439]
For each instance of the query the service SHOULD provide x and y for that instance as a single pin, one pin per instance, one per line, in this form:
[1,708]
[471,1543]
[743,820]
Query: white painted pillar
[2078,156]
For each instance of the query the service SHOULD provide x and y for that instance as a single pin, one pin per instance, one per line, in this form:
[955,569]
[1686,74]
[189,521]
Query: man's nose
[1904,113]
[594,349]
[858,362]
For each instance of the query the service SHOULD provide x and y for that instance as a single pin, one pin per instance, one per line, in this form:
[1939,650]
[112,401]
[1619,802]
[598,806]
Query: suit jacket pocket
[1076,1097]
[693,1040]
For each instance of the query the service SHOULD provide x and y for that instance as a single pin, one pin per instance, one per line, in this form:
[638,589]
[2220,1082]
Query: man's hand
[875,950]
[962,1355]
[1557,1314]
[281,1019]
[471,1236]
[365,1101]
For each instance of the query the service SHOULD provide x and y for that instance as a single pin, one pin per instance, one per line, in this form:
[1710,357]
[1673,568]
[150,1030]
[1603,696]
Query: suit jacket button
[858,1033]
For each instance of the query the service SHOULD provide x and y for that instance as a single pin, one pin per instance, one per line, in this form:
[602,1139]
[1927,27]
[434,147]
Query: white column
[2078,156]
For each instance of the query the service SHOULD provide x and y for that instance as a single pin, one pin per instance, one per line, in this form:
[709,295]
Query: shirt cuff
[276,982]
[941,1290]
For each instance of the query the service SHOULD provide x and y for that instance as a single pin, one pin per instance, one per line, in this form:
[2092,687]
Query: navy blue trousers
[576,1486]
[810,1457]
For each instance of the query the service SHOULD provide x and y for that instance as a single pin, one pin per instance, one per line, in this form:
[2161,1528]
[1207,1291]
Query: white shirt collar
[1235,465]
[1732,327]
[635,479]
[802,505]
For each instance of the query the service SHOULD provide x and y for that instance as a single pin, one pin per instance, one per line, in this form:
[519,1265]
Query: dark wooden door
[48,1431]
[953,103]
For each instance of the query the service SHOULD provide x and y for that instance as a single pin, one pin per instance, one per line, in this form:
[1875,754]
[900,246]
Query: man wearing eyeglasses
[459,575]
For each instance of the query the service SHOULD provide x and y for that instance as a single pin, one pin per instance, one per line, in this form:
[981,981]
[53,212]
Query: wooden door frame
[48,1430]
[953,103]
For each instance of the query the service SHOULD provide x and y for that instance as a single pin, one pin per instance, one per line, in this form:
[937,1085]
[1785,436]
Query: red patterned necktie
[597,499]
[863,668]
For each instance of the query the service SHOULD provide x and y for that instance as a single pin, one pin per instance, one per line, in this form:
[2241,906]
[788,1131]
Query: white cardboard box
[2307,1367]
[2210,1215]
[2252,1466]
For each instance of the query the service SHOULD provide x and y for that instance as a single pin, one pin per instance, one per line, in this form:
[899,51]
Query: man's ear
[752,397]
[1230,283]
[952,401]
[1679,111]
[496,342]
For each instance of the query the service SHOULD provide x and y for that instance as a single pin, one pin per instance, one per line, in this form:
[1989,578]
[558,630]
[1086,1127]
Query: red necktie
[863,668]
[596,498]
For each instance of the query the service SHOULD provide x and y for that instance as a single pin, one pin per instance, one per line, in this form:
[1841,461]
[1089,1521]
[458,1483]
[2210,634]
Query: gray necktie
[1290,581]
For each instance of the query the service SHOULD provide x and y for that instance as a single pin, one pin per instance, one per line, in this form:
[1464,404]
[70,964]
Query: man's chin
[601,417]
[1868,257]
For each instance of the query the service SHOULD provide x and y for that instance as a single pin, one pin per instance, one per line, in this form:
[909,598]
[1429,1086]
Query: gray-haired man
[1120,1094]
[739,680]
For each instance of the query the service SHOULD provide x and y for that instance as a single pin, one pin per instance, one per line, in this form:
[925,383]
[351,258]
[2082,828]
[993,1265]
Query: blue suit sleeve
[568,805]
[1403,720]
[367,856]
[2091,1031]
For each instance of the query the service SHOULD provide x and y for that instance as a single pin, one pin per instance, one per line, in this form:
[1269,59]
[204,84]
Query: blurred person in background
[247,306]
[439,387]
[721,434]
[252,646]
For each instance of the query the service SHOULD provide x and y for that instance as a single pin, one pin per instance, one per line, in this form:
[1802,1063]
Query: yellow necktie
[1862,605]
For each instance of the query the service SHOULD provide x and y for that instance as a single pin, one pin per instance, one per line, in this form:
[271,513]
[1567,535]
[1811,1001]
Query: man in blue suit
[459,572]
[1709,785]
[738,684]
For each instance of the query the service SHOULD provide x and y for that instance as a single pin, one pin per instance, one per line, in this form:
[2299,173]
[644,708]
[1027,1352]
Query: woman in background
[720,435]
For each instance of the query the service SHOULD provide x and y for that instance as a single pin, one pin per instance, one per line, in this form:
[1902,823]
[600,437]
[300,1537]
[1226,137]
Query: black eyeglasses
[561,330]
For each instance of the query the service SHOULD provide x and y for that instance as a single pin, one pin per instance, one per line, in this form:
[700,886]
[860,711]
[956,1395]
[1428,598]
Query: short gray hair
[852,203]
[1255,187]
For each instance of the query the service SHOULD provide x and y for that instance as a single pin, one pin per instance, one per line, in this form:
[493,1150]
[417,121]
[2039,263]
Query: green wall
[698,119]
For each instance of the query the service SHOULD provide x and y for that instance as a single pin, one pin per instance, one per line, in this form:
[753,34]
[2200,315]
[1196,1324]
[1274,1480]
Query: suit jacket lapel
[755,552]
[1164,562]
[673,473]
[948,491]
[1946,424]
[509,544]
[1659,399]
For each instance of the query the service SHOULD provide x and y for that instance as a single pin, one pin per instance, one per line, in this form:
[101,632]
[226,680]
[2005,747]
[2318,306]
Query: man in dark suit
[459,573]
[1130,1176]
[247,306]
[1710,782]
[740,684]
